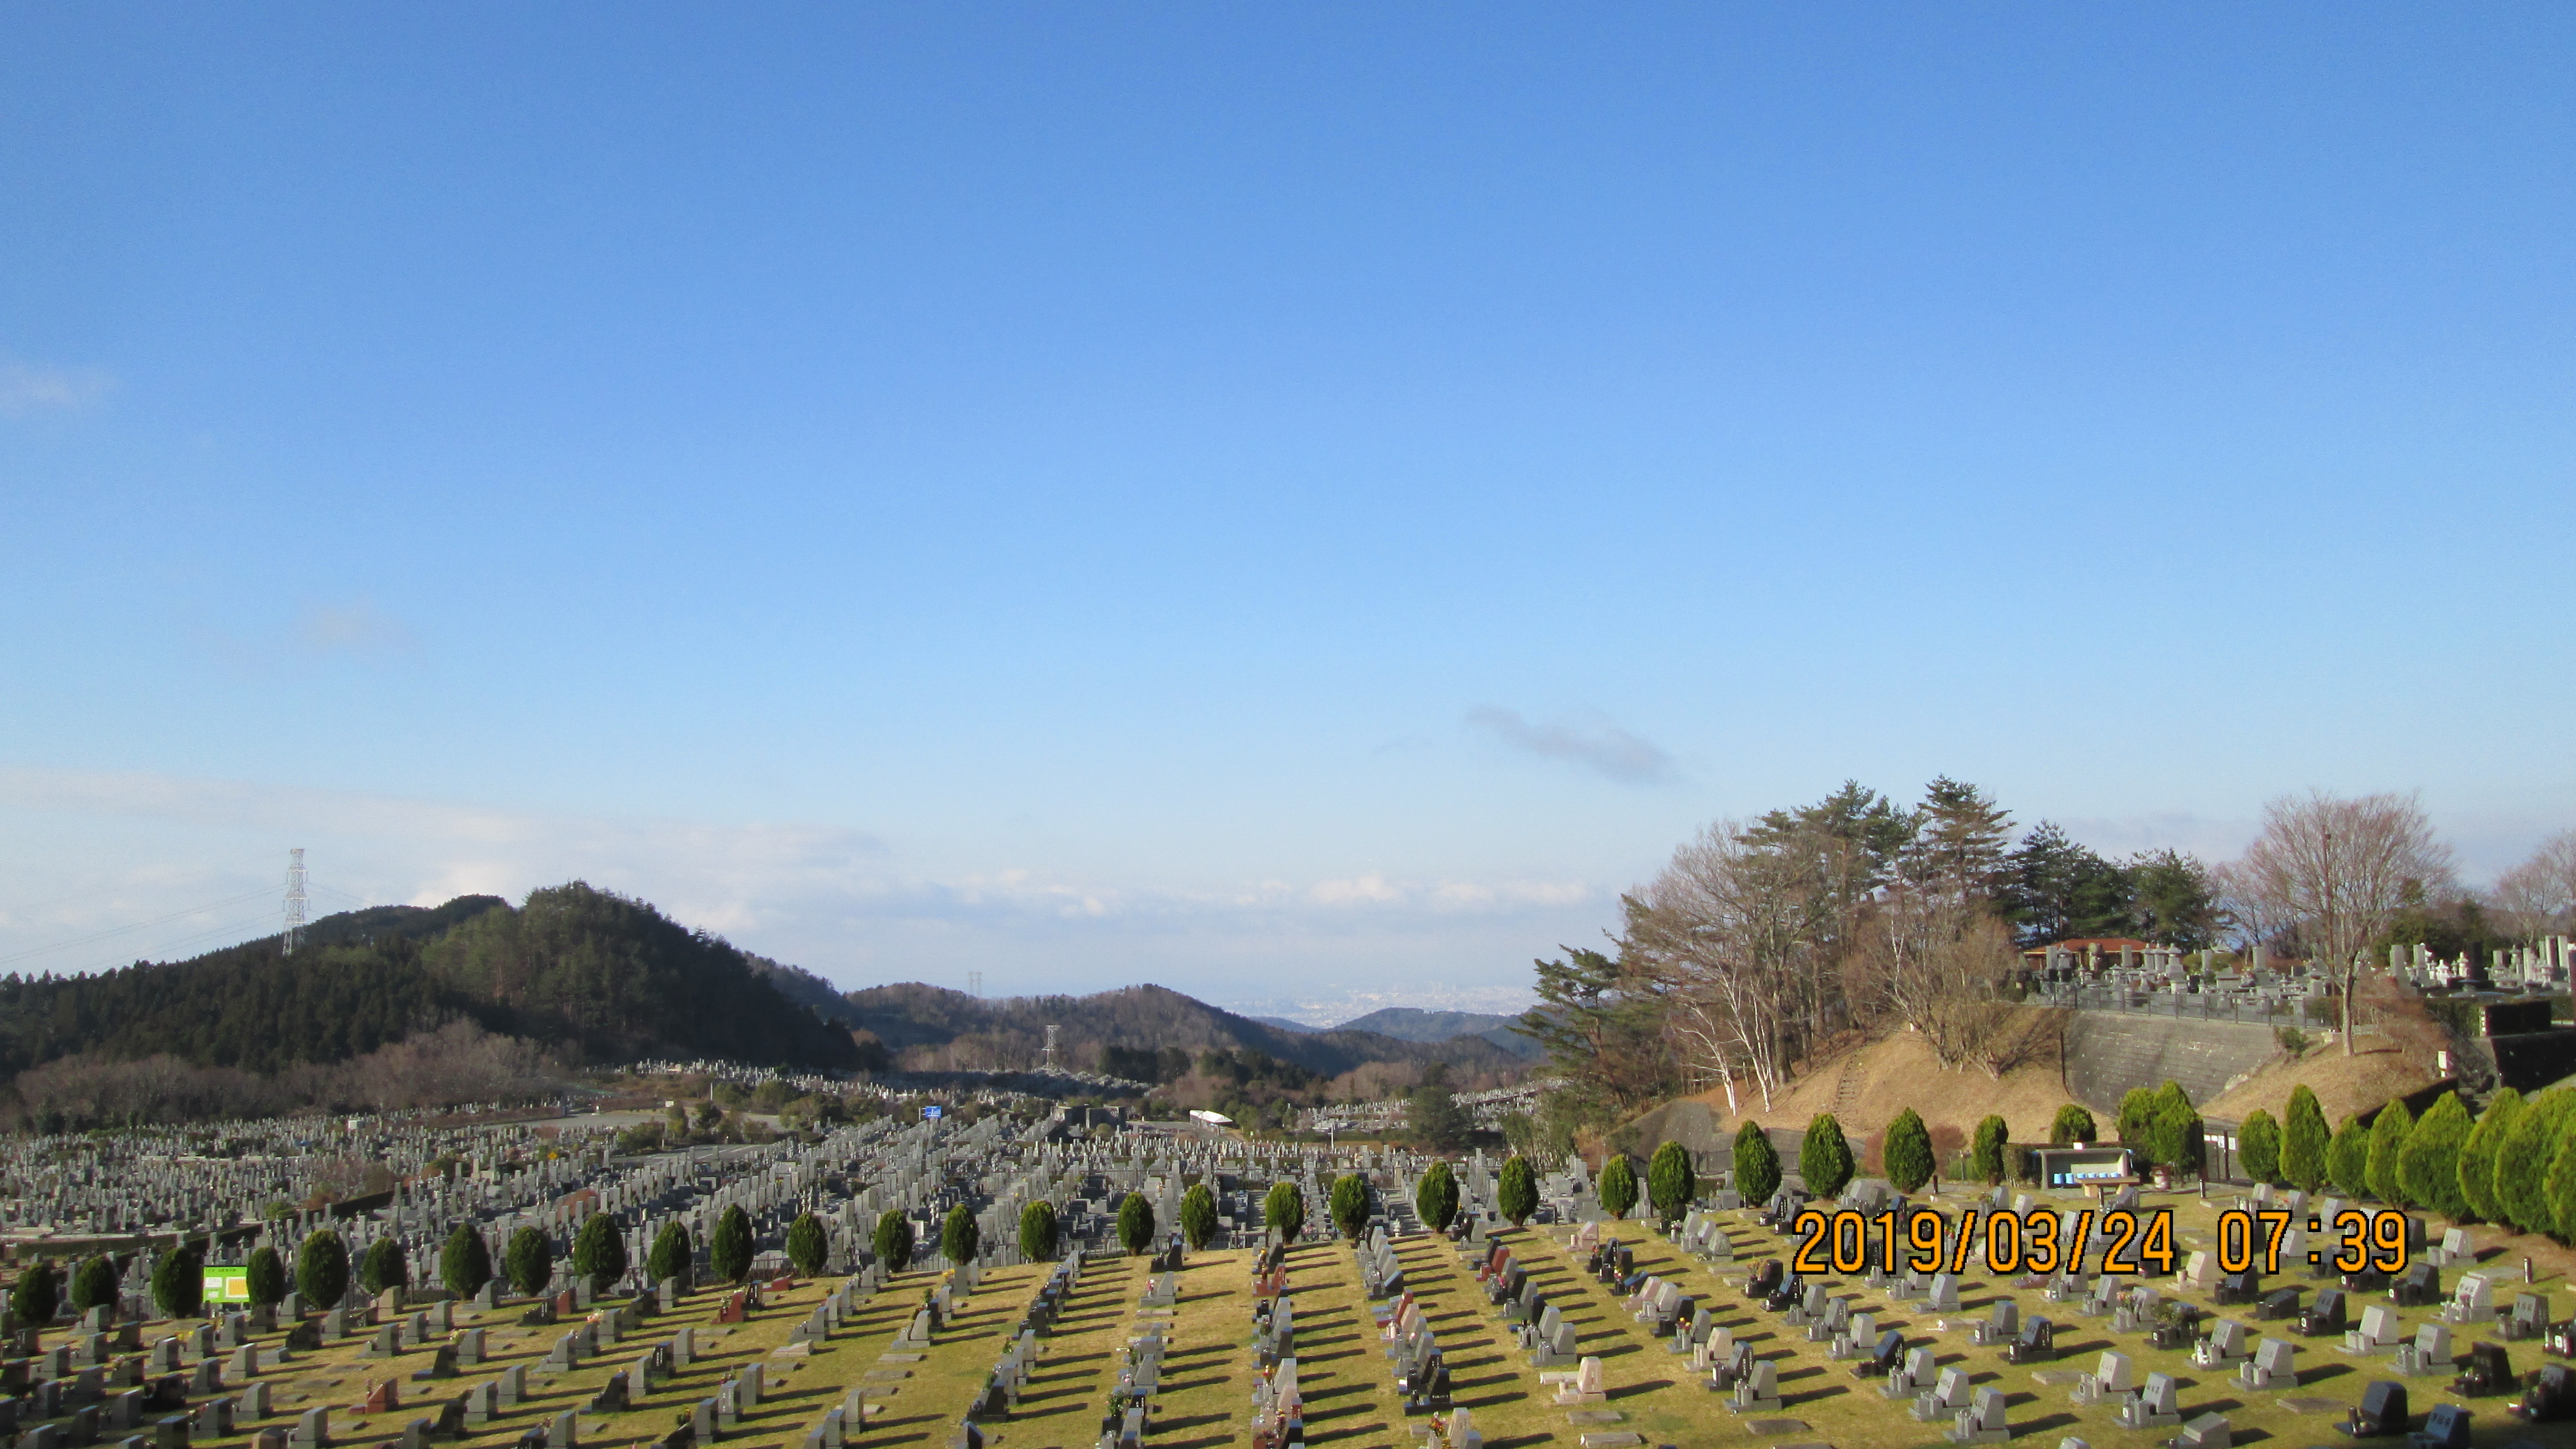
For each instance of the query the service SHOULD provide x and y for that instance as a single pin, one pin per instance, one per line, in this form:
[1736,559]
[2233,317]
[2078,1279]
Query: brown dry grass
[2377,1070]
[1898,1071]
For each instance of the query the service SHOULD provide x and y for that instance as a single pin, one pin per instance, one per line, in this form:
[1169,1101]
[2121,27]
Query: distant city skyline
[1304,507]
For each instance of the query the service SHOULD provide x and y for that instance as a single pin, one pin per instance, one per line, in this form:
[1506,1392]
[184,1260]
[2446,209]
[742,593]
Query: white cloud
[27,387]
[84,851]
[1599,745]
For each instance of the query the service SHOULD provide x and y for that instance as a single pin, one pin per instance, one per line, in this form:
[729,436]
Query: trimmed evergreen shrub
[1283,1211]
[2479,1154]
[1671,1181]
[1907,1153]
[2304,1140]
[672,1254]
[2388,1134]
[2137,1122]
[465,1263]
[1757,1165]
[2348,1158]
[2558,1187]
[179,1282]
[2173,1131]
[2522,1164]
[809,1245]
[961,1237]
[322,1269]
[1435,1199]
[1038,1232]
[1618,1186]
[892,1241]
[265,1277]
[94,1283]
[2258,1146]
[38,1294]
[1986,1150]
[383,1267]
[1516,1190]
[1825,1158]
[729,1248]
[529,1260]
[2071,1125]
[1198,1214]
[599,1251]
[2428,1167]
[1136,1223]
[1348,1205]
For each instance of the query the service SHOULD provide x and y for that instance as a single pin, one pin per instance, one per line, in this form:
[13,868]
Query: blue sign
[933,1111]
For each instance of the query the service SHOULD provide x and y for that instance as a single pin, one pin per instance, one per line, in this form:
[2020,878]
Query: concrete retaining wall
[2108,1052]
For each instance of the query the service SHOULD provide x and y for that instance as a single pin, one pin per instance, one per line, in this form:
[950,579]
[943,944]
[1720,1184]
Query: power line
[137,926]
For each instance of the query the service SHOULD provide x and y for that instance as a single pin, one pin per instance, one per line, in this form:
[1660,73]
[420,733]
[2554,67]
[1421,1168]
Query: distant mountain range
[615,979]
[1011,1031]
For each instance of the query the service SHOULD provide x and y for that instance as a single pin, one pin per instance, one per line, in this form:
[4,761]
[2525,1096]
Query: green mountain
[573,965]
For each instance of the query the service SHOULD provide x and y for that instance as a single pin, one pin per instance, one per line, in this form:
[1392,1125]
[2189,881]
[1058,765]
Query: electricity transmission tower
[294,898]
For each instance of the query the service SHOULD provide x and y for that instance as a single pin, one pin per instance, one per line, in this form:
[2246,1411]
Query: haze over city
[1301,506]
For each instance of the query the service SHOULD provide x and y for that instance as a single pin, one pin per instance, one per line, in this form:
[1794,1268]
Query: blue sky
[1301,504]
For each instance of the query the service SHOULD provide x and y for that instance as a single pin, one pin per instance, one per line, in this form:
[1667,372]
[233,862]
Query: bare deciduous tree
[1728,935]
[2340,870]
[2538,897]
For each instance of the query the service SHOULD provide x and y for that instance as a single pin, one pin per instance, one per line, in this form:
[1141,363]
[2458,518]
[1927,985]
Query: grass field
[1343,1373]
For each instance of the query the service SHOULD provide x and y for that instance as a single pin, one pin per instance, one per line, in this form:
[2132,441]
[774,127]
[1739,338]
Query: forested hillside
[573,965]
[1408,1023]
[971,1032]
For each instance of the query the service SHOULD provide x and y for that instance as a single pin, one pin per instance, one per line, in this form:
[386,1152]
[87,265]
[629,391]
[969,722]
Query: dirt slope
[1867,1085]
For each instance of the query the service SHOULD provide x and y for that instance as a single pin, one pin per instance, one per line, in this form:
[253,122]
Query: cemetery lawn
[1345,1375]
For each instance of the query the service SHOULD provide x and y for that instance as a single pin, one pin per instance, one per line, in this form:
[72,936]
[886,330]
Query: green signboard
[227,1285]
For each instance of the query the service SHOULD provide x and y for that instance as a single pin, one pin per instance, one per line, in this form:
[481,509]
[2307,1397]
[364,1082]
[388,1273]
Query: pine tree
[2478,1154]
[729,1248]
[529,1260]
[893,1241]
[960,1236]
[2258,1146]
[1907,1152]
[1435,1198]
[2071,1125]
[2387,1140]
[1516,1190]
[265,1277]
[1348,1205]
[1136,1223]
[1824,1158]
[2522,1165]
[809,1245]
[1283,1210]
[2303,1141]
[1958,844]
[1986,1150]
[599,1251]
[465,1263]
[1671,1182]
[179,1282]
[1618,1187]
[2348,1158]
[1038,1232]
[1757,1165]
[672,1254]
